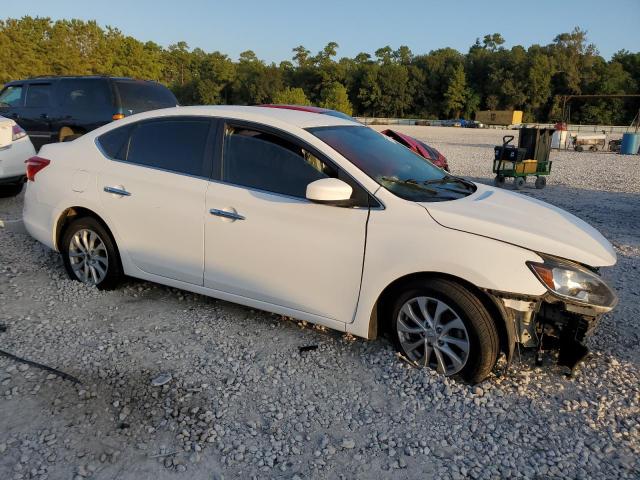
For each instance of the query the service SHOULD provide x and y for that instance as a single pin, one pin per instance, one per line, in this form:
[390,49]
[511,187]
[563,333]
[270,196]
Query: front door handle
[119,190]
[225,214]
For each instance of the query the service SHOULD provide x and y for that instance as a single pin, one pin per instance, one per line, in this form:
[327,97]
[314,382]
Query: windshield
[395,167]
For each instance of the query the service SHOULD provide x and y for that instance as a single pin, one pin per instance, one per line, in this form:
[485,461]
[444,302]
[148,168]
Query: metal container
[630,143]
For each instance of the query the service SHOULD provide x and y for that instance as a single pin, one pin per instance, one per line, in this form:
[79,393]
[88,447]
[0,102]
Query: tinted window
[138,96]
[115,143]
[84,96]
[11,96]
[38,95]
[267,162]
[177,145]
[398,169]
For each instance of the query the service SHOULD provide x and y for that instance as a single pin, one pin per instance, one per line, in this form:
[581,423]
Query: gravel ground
[243,402]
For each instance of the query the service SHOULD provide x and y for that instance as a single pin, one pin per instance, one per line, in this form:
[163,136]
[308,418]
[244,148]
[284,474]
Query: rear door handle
[117,191]
[225,214]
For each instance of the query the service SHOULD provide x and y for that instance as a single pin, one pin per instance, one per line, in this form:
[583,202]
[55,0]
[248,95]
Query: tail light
[117,116]
[34,165]
[18,132]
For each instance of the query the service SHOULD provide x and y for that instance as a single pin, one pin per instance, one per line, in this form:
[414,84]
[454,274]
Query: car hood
[526,222]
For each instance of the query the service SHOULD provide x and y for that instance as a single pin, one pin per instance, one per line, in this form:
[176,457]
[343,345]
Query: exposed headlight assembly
[573,282]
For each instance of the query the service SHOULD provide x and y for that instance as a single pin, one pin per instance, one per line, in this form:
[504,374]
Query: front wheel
[90,255]
[441,325]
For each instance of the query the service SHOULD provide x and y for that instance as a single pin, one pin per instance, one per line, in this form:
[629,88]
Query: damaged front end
[562,318]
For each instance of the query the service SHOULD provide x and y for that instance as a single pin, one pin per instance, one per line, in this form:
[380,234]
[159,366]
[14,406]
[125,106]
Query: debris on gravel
[176,385]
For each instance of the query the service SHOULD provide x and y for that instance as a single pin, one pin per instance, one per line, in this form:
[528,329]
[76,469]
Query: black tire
[11,190]
[541,182]
[499,180]
[64,133]
[481,329]
[518,183]
[114,273]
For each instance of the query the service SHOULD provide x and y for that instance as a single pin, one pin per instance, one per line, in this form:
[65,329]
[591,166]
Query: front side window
[395,167]
[84,95]
[38,95]
[11,96]
[268,162]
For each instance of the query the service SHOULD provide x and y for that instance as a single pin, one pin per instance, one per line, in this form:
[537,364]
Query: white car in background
[325,220]
[15,149]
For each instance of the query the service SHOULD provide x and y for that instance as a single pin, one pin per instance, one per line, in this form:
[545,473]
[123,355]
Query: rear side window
[115,143]
[11,96]
[267,162]
[84,95]
[139,96]
[177,145]
[38,95]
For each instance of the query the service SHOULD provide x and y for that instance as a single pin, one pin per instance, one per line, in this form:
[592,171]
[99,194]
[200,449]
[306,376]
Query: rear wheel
[11,190]
[441,325]
[90,255]
[499,180]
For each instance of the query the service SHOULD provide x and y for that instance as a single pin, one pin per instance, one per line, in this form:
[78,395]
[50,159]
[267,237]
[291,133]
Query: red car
[418,146]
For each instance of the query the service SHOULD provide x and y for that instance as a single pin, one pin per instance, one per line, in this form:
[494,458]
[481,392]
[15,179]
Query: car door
[265,241]
[34,117]
[152,186]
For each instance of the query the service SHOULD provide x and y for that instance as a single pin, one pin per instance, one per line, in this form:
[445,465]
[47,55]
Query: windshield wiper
[448,179]
[411,183]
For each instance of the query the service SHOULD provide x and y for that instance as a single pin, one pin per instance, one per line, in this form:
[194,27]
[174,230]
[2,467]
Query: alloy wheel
[88,257]
[432,334]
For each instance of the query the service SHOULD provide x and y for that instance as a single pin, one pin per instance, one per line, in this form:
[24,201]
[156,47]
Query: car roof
[302,108]
[49,78]
[296,118]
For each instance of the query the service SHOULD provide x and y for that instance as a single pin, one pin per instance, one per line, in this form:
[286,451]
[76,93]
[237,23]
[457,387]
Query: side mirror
[330,191]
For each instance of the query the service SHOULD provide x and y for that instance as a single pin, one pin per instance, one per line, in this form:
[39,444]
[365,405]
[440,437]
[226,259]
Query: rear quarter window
[115,143]
[139,96]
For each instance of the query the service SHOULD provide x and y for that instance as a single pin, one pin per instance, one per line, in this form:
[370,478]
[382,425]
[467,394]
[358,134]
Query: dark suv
[51,109]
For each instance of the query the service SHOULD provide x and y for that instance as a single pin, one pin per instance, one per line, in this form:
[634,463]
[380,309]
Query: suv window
[267,162]
[38,95]
[11,96]
[84,95]
[176,144]
[139,96]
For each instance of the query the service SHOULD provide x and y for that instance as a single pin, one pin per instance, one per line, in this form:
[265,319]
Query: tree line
[443,83]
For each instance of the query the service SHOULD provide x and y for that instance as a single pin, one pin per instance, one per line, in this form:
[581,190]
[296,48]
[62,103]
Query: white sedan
[15,149]
[321,219]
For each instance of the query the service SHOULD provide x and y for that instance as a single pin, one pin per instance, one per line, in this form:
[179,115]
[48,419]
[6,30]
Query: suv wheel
[64,133]
[441,325]
[90,255]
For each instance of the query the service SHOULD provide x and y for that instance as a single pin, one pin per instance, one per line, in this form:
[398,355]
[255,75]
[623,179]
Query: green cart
[522,161]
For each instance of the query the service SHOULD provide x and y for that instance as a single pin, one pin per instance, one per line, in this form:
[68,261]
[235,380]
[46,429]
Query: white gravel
[242,402]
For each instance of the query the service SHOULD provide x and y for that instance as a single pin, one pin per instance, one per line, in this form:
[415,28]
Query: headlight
[573,282]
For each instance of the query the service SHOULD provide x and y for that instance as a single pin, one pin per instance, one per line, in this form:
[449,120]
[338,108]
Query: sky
[271,28]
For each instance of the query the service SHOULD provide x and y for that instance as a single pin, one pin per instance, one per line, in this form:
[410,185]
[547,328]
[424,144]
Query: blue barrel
[630,143]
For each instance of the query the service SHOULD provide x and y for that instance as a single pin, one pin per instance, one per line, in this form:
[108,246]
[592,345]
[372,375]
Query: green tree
[335,97]
[291,96]
[456,93]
